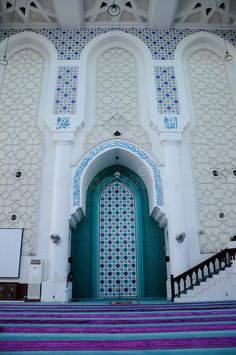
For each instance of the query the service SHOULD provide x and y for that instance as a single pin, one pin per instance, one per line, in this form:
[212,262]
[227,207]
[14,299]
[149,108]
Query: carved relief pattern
[116,85]
[21,146]
[117,106]
[213,148]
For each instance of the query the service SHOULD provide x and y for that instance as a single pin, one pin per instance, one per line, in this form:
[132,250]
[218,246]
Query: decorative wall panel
[66,90]
[161,43]
[213,150]
[166,90]
[117,100]
[116,86]
[21,146]
[117,242]
[125,145]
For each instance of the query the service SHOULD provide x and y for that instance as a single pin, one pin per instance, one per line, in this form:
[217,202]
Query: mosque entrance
[118,249]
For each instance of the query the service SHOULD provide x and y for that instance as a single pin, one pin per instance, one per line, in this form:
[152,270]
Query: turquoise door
[118,250]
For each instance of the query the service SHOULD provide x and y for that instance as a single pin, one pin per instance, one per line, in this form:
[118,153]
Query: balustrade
[207,268]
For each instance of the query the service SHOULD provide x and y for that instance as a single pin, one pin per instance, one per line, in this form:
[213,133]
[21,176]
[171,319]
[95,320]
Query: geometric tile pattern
[117,242]
[66,90]
[213,148]
[116,86]
[162,43]
[21,146]
[117,99]
[166,90]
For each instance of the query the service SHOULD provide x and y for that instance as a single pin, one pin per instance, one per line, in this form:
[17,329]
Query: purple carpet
[120,330]
[145,344]
[72,327]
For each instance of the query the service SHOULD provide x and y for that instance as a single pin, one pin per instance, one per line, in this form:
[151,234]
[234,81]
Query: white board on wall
[10,252]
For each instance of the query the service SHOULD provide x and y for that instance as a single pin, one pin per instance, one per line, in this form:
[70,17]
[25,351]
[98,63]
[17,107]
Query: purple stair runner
[151,327]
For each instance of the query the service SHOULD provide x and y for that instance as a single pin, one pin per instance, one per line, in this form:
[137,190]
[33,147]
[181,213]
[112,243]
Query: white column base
[55,291]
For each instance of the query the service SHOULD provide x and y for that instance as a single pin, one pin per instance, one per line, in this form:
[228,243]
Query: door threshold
[124,302]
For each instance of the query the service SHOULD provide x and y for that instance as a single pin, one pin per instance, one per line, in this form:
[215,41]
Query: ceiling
[147,13]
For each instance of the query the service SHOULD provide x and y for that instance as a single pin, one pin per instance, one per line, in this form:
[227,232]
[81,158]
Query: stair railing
[202,271]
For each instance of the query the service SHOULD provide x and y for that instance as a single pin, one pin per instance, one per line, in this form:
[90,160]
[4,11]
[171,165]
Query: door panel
[149,273]
[117,242]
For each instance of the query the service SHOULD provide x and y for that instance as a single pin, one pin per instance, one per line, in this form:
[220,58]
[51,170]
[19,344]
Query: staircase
[211,280]
[94,328]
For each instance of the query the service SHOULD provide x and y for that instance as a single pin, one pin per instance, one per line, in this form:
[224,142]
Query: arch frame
[134,190]
[189,45]
[151,241]
[132,156]
[41,45]
[145,79]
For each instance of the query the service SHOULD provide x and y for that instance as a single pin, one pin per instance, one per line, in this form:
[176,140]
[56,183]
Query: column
[55,288]
[174,207]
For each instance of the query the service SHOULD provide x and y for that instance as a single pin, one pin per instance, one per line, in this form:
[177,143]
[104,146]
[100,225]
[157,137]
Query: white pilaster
[173,192]
[55,288]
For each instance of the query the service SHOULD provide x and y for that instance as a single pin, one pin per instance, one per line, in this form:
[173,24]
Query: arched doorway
[118,249]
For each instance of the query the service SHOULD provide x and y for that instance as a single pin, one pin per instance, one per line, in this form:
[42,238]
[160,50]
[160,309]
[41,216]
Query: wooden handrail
[200,272]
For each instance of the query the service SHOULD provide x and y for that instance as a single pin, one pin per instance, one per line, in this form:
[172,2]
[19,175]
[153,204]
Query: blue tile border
[69,43]
[154,168]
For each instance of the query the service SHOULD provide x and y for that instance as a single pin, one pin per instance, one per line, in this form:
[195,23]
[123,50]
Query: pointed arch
[41,45]
[118,248]
[190,44]
[145,78]
[102,156]
[197,207]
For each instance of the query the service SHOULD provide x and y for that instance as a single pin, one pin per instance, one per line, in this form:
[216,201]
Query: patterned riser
[130,329]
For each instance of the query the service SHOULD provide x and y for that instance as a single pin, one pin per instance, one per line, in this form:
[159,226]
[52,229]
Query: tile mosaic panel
[166,90]
[66,90]
[117,239]
[162,43]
